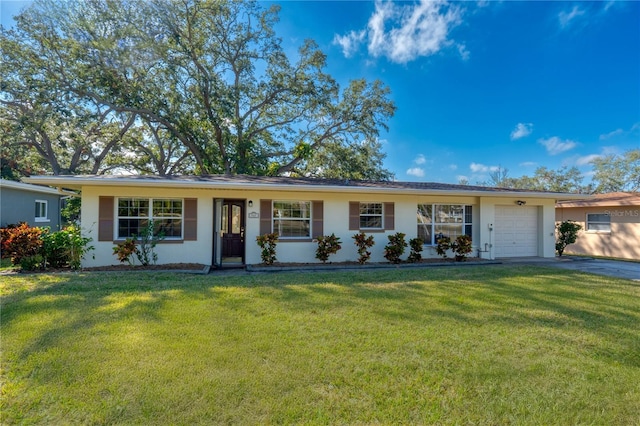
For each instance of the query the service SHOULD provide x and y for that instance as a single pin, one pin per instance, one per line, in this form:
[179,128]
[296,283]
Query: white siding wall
[336,220]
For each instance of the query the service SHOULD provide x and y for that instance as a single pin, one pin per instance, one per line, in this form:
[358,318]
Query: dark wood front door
[232,227]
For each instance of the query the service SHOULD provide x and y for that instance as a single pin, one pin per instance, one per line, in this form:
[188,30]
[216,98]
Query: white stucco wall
[336,220]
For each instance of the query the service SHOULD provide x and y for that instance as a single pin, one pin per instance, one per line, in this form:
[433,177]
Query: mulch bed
[163,267]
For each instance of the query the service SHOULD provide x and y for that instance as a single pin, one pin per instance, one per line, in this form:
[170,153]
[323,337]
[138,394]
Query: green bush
[395,248]
[55,249]
[327,245]
[462,247]
[567,233]
[363,242]
[31,263]
[443,244]
[416,245]
[267,243]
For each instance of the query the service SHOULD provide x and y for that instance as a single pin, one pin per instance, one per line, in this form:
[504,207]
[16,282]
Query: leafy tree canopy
[180,86]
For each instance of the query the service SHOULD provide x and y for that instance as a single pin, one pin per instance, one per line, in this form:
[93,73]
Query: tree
[616,173]
[365,162]
[565,179]
[210,75]
[499,177]
[45,126]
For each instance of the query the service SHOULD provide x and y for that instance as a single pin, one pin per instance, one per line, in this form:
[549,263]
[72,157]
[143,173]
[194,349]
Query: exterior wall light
[521,202]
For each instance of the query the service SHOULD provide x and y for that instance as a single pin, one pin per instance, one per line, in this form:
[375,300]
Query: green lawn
[484,345]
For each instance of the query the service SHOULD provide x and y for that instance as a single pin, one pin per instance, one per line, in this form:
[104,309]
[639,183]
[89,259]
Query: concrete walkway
[611,268]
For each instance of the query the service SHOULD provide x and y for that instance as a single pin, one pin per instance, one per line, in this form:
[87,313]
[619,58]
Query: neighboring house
[215,220]
[610,224]
[33,204]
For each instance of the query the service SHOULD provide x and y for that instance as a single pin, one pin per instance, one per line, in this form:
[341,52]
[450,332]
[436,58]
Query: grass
[468,345]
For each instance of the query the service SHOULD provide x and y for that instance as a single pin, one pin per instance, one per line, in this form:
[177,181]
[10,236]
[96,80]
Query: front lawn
[492,344]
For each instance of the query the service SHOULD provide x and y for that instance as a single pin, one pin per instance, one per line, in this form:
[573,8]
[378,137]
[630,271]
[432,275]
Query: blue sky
[480,85]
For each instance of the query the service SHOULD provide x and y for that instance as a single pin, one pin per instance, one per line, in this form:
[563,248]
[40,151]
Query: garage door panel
[516,231]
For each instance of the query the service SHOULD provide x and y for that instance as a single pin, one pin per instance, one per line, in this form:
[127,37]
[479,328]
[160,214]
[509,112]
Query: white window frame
[597,222]
[434,224]
[149,216]
[361,215]
[277,216]
[38,216]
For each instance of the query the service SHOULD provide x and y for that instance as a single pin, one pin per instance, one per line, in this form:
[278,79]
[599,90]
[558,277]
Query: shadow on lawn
[539,297]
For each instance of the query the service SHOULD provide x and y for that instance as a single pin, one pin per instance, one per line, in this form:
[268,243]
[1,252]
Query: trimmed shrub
[567,233]
[363,242]
[327,245]
[443,244]
[462,247]
[267,243]
[395,248]
[125,251]
[416,245]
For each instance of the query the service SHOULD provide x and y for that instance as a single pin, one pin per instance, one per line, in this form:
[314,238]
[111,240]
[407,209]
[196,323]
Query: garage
[516,231]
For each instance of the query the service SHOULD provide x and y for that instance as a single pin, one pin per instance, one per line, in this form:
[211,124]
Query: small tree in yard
[567,233]
[327,245]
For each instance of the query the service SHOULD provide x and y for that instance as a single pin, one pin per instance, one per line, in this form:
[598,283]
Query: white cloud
[481,168]
[416,171]
[528,164]
[522,130]
[565,18]
[464,52]
[621,133]
[610,135]
[420,159]
[403,32]
[350,42]
[453,167]
[587,159]
[555,145]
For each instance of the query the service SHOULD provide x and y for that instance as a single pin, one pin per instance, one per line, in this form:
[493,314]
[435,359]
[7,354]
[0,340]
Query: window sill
[372,231]
[295,240]
[598,232]
[42,220]
[120,241]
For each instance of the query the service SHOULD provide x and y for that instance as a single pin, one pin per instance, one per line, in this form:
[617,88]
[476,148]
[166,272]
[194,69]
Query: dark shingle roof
[301,181]
[288,183]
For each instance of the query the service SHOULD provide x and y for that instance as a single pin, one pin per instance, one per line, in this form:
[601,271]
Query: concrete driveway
[611,268]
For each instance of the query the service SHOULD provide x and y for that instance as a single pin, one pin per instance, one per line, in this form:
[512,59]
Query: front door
[232,231]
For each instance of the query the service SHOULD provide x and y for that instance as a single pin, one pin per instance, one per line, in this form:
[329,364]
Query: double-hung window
[135,214]
[598,222]
[449,220]
[371,215]
[41,211]
[292,219]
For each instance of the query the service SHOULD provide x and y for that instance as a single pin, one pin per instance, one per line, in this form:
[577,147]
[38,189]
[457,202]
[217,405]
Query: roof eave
[79,182]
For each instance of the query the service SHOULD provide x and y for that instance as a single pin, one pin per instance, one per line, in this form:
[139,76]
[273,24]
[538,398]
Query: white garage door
[516,231]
